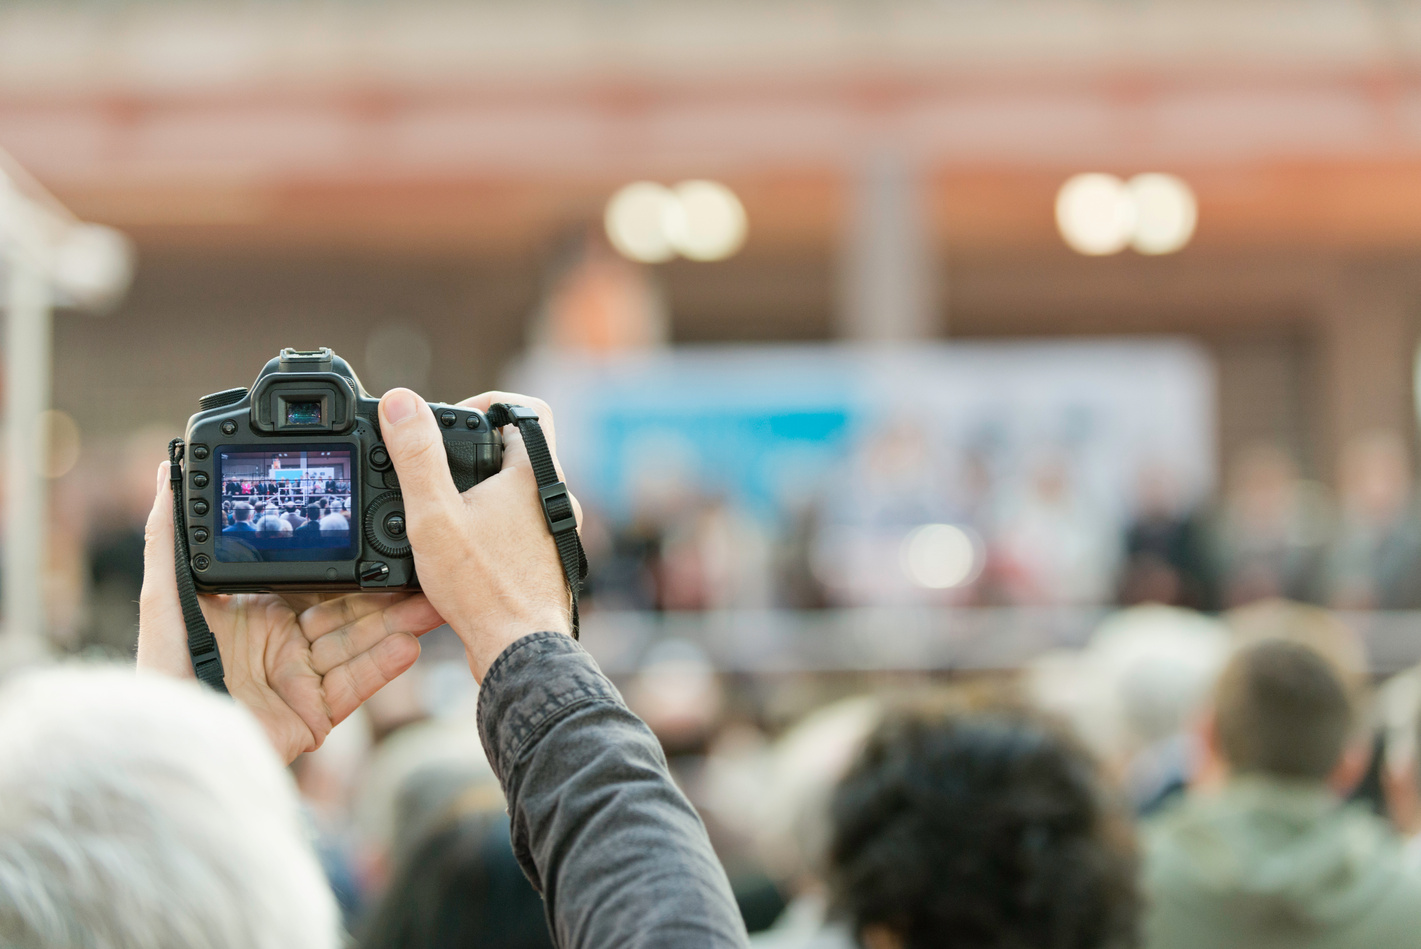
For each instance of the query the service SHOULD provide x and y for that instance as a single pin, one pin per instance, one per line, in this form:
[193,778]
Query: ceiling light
[637,221]
[1095,214]
[1165,213]
[711,225]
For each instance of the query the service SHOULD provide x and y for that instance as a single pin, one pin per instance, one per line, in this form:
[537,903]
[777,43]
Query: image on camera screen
[293,504]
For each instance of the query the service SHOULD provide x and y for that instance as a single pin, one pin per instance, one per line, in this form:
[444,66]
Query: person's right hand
[485,558]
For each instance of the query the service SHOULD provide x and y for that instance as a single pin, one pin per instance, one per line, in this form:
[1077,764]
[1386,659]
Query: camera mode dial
[218,399]
[385,525]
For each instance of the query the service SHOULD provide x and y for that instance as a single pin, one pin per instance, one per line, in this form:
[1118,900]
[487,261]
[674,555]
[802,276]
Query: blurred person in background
[984,828]
[141,811]
[1134,695]
[1375,559]
[1263,852]
[1167,557]
[459,886]
[1053,547]
[1273,532]
[790,818]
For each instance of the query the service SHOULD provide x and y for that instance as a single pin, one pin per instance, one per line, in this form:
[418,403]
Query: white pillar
[888,275]
[26,394]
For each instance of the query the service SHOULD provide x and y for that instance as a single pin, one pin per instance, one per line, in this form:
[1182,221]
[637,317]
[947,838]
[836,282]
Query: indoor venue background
[859,382]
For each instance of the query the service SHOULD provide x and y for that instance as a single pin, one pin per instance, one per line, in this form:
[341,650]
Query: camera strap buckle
[201,644]
[557,508]
[553,495]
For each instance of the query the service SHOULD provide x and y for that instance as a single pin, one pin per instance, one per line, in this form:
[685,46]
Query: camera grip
[463,462]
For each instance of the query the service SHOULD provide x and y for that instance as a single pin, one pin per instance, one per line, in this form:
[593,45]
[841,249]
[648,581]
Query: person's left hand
[300,663]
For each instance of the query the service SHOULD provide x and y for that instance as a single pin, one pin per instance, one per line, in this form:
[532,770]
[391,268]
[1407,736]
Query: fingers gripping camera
[288,486]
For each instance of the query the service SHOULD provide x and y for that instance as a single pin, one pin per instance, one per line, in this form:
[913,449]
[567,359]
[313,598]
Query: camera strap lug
[201,644]
[552,494]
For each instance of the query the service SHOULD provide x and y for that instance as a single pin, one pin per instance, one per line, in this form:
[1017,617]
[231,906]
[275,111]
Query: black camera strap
[201,644]
[553,495]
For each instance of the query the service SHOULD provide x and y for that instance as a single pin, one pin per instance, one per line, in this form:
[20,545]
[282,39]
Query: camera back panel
[288,487]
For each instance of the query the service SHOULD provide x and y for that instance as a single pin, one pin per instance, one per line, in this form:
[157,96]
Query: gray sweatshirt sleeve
[618,852]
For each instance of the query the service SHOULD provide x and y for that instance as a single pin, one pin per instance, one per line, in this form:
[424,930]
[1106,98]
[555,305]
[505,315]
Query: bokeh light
[1165,213]
[711,224]
[941,556]
[637,222]
[1095,214]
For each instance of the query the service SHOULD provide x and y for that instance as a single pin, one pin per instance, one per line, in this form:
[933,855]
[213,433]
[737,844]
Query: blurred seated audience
[137,811]
[1263,852]
[982,829]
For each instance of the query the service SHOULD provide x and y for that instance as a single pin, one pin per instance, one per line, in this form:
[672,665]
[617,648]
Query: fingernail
[399,405]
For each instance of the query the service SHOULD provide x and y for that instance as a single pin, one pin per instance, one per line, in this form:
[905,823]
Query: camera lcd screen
[303,413]
[294,504]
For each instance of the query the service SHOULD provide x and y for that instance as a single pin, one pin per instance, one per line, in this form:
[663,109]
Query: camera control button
[199,507]
[374,571]
[472,421]
[379,458]
[386,524]
[229,427]
[199,452]
[200,534]
[447,418]
[199,480]
[202,561]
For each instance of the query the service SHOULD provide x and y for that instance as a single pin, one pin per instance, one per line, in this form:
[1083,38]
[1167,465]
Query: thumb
[413,439]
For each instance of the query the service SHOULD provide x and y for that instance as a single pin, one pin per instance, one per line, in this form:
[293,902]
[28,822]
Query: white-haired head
[1144,676]
[140,811]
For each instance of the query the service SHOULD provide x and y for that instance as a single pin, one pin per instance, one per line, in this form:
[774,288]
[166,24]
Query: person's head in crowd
[1136,693]
[1282,709]
[985,828]
[458,886]
[290,507]
[242,511]
[313,512]
[1311,626]
[790,823]
[324,502]
[260,508]
[144,811]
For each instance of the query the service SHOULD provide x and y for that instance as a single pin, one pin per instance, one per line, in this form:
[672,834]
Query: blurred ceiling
[492,127]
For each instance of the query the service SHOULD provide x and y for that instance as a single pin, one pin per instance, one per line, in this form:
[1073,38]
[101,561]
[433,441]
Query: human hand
[485,558]
[300,663]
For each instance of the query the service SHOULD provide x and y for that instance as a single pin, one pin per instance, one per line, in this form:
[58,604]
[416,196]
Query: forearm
[620,855]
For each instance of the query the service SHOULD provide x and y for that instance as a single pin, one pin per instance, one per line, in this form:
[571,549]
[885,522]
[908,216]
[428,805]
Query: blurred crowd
[1041,540]
[1183,780]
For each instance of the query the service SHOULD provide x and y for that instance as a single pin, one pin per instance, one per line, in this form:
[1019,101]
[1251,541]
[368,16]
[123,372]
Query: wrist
[486,638]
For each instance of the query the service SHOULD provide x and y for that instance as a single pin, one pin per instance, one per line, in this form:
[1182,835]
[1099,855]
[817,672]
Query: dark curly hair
[982,830]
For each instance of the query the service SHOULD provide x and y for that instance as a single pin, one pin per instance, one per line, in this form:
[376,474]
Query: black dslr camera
[288,486]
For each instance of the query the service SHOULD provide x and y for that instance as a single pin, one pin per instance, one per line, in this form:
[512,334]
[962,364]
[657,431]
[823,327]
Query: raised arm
[620,856]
